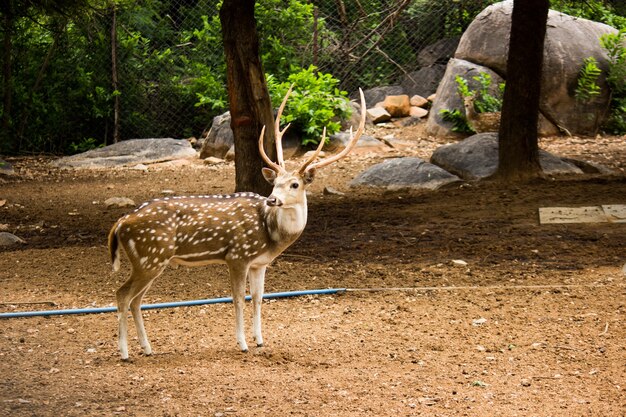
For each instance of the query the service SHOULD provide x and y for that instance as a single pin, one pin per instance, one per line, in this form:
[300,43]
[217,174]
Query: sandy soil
[532,325]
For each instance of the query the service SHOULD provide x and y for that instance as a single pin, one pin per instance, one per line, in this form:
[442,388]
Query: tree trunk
[518,147]
[7,90]
[249,100]
[116,96]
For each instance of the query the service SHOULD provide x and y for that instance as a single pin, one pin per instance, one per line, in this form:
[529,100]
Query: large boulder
[402,173]
[219,139]
[447,96]
[477,157]
[438,53]
[130,152]
[569,41]
[424,81]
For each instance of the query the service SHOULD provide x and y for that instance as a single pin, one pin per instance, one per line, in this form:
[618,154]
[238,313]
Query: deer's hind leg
[130,295]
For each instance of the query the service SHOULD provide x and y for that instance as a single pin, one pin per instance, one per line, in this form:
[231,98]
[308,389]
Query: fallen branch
[23,303]
[606,329]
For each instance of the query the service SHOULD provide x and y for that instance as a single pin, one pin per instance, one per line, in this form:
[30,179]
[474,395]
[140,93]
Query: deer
[244,230]
[480,122]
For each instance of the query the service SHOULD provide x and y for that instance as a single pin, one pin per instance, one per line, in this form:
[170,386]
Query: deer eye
[295,185]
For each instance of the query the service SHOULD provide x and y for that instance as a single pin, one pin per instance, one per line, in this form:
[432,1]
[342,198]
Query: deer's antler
[280,165]
[354,138]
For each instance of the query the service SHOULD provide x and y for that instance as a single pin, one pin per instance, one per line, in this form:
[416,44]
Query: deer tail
[114,246]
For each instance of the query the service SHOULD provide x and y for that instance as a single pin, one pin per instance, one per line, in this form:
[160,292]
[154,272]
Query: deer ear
[269,175]
[308,176]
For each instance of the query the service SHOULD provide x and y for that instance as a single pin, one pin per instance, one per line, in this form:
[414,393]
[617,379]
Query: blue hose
[97,310]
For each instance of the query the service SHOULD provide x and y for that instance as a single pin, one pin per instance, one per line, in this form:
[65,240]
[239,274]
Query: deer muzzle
[273,201]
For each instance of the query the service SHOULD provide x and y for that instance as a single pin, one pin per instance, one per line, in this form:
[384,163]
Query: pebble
[8,239]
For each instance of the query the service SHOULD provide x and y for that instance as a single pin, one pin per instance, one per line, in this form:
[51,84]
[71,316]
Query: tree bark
[518,145]
[249,100]
[7,90]
[116,96]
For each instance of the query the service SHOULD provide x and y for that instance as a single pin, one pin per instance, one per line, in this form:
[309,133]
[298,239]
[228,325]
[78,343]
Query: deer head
[289,187]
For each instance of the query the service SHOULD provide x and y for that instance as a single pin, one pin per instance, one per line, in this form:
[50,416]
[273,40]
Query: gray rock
[378,94]
[220,138]
[569,40]
[424,81]
[6,168]
[128,153]
[477,157]
[8,239]
[220,142]
[438,53]
[355,117]
[406,172]
[447,96]
[339,141]
[378,115]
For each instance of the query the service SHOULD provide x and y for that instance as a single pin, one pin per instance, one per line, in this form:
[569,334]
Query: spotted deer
[245,231]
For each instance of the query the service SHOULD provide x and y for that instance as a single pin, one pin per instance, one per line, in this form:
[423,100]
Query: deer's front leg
[257,282]
[238,274]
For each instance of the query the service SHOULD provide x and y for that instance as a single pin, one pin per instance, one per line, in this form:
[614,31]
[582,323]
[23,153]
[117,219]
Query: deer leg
[123,298]
[128,296]
[238,274]
[135,309]
[257,281]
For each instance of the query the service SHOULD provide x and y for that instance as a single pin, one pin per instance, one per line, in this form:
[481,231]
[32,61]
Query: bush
[485,102]
[315,102]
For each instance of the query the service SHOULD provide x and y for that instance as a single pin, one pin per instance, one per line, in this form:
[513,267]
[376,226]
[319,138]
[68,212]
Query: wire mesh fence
[155,68]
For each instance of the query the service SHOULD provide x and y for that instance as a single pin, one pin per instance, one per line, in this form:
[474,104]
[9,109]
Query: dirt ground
[533,325]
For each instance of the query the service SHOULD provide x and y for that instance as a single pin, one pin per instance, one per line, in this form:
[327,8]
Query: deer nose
[272,201]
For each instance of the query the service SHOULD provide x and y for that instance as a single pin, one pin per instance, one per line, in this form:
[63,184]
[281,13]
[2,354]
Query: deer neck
[286,223]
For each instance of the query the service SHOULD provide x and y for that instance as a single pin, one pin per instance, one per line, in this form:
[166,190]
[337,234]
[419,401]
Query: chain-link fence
[155,68]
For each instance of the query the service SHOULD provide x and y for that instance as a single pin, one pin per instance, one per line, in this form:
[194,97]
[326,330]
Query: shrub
[315,102]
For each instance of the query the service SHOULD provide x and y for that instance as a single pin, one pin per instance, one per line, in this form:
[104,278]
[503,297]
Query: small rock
[331,191]
[525,382]
[418,101]
[2,203]
[54,371]
[6,168]
[310,153]
[459,262]
[212,160]
[119,202]
[397,106]
[71,330]
[431,97]
[140,167]
[418,112]
[479,322]
[8,239]
[168,192]
[378,115]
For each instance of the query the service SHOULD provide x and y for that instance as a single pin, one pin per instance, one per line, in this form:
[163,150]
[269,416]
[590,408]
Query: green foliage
[484,102]
[598,10]
[587,86]
[458,120]
[616,78]
[315,102]
[86,144]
